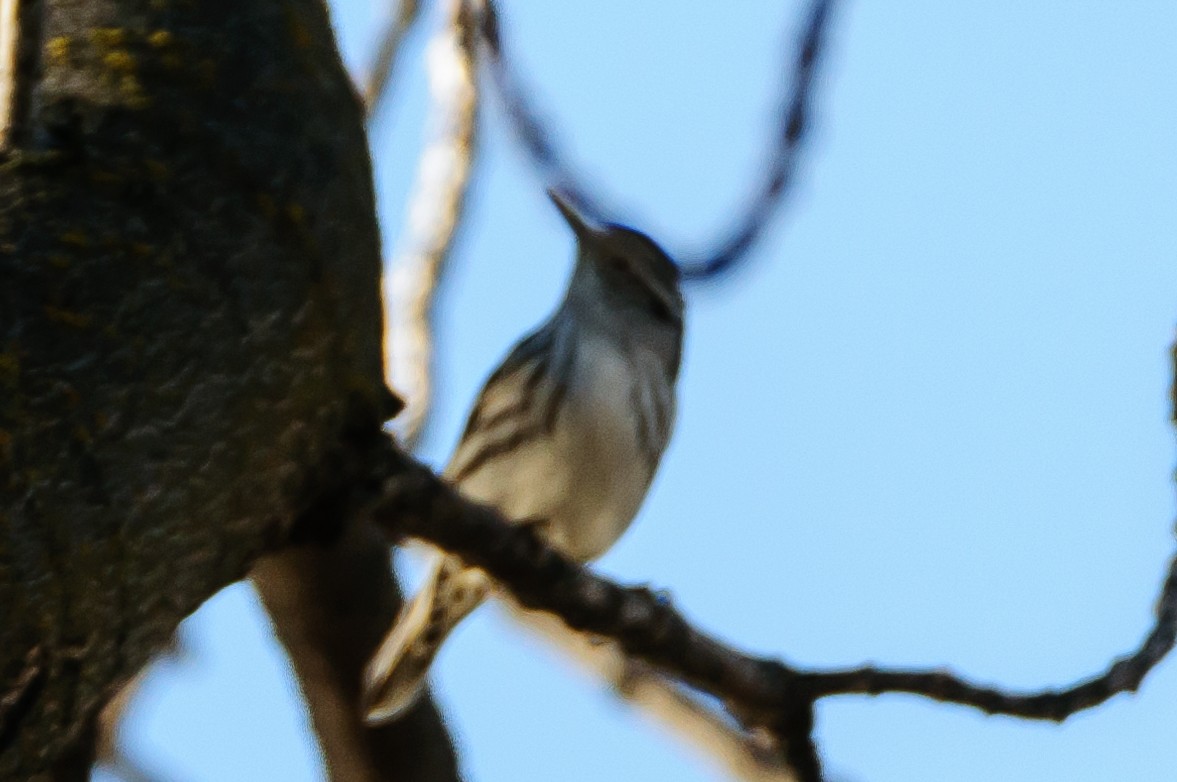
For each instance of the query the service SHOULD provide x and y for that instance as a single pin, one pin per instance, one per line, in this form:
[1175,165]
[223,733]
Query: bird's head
[623,268]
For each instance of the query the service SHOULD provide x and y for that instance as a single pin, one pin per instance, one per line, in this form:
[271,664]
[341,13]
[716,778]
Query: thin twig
[435,214]
[539,141]
[1124,675]
[531,130]
[379,76]
[782,163]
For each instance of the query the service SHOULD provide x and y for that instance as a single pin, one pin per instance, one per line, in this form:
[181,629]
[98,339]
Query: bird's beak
[578,222]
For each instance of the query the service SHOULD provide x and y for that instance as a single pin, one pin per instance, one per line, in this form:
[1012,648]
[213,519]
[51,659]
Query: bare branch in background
[539,142]
[330,603]
[20,52]
[435,212]
[1124,675]
[782,163]
[761,693]
[679,712]
[9,34]
[533,132]
[379,75]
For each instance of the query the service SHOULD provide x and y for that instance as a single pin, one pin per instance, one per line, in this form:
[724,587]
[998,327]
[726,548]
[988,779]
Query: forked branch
[760,692]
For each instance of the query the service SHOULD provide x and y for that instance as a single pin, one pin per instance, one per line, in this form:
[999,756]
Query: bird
[566,434]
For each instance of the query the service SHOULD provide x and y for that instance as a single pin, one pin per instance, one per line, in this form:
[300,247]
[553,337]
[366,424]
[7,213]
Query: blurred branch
[531,130]
[737,753]
[110,752]
[123,767]
[435,213]
[782,162]
[20,51]
[376,81]
[537,138]
[760,692]
[330,603]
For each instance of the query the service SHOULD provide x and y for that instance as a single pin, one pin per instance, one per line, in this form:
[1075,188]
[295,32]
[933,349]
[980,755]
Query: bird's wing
[519,401]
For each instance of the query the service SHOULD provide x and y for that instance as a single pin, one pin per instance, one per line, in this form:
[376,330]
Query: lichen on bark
[190,332]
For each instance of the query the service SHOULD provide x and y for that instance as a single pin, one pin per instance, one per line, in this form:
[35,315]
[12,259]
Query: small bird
[566,434]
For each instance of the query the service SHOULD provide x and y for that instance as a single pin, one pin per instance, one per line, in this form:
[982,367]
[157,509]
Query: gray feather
[568,430]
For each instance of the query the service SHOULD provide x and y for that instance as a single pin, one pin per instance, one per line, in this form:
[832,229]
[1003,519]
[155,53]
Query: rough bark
[189,331]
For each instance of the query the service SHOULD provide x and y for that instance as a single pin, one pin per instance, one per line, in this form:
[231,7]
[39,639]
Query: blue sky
[925,425]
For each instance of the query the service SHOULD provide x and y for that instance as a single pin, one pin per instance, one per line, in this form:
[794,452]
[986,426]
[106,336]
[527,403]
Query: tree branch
[379,76]
[331,602]
[782,161]
[532,131]
[759,692]
[704,729]
[540,144]
[191,332]
[20,67]
[434,217]
[1125,674]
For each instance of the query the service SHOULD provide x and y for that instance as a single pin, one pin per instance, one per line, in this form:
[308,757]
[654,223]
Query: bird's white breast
[588,476]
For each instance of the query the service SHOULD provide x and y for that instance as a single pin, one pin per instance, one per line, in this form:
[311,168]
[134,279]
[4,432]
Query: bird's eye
[617,263]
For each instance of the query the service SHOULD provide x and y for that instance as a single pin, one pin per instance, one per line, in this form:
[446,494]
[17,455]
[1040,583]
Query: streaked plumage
[567,433]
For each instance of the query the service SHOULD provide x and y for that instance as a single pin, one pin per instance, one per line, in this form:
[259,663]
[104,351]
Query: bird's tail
[395,676]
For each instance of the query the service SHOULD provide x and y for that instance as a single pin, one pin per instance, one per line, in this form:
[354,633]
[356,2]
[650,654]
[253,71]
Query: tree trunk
[190,331]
